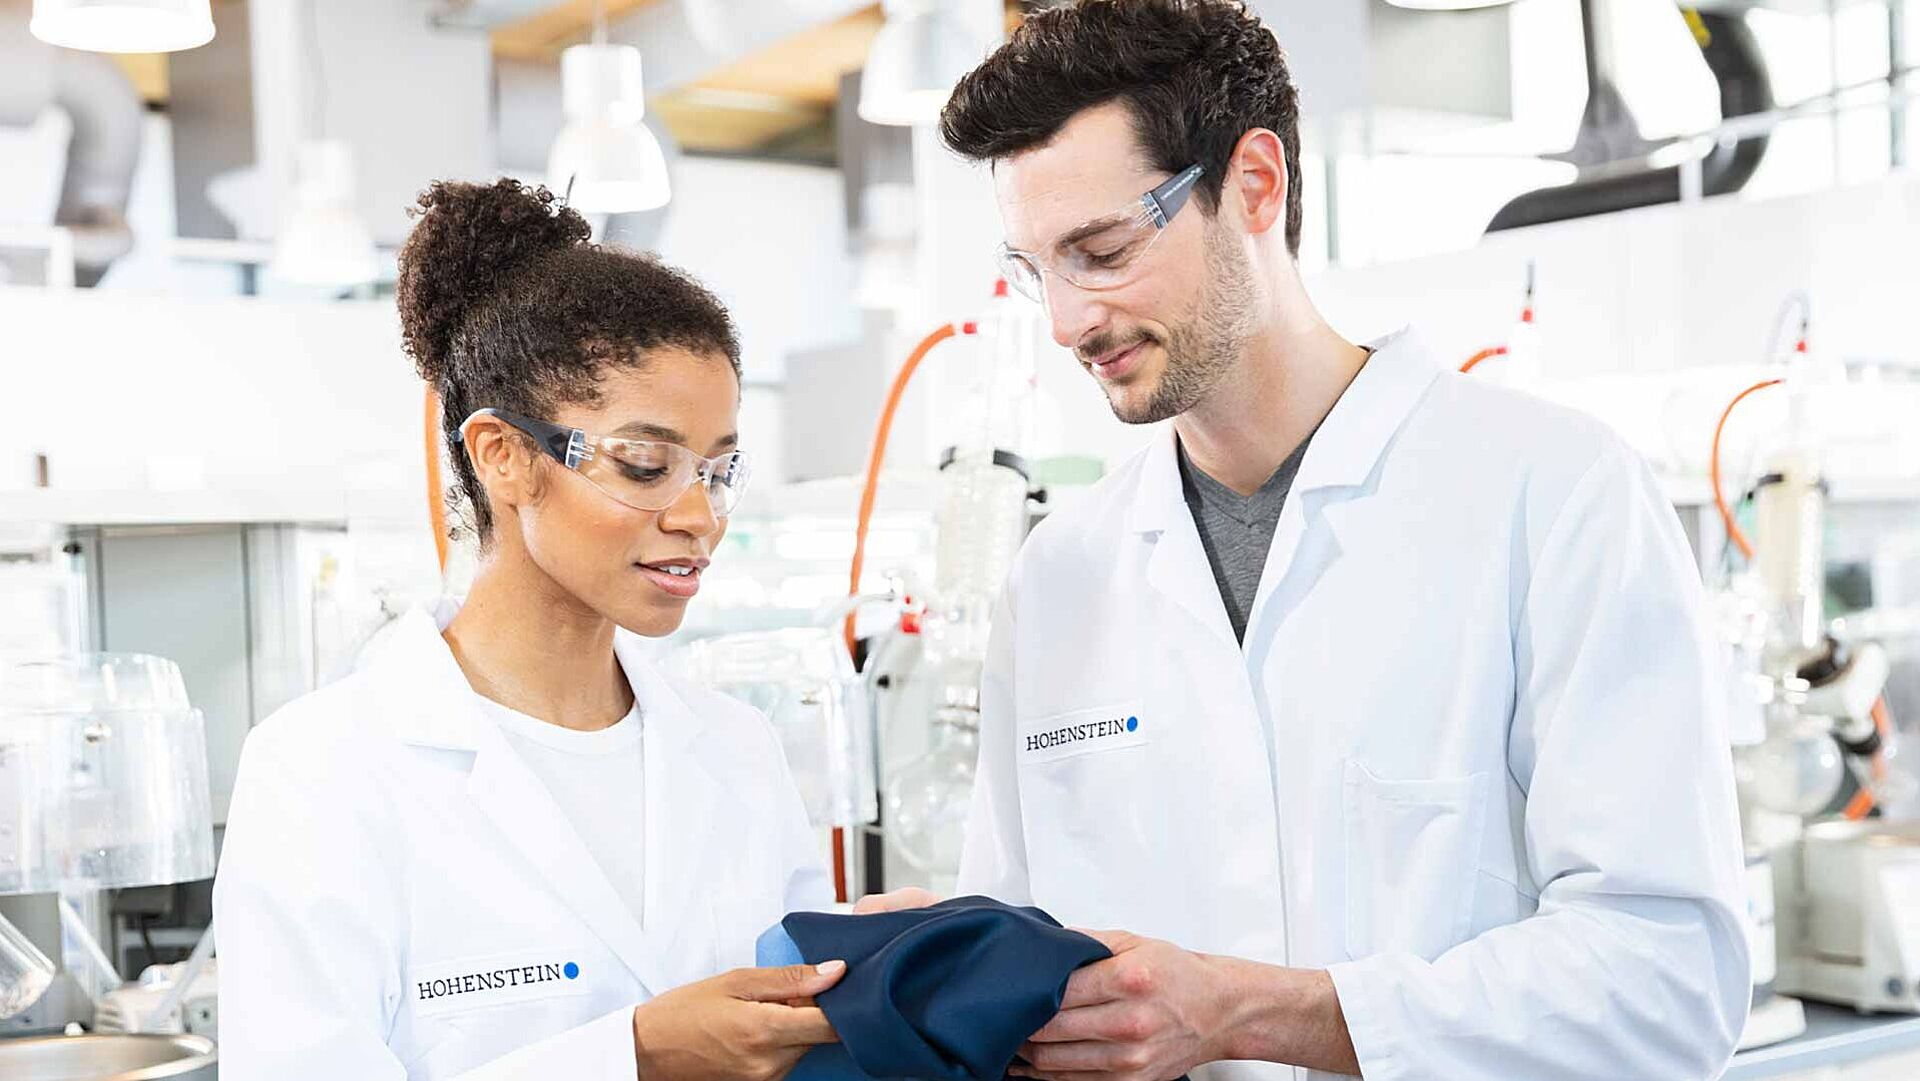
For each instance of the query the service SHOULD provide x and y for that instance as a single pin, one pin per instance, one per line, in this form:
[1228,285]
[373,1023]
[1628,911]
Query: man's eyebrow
[1092,228]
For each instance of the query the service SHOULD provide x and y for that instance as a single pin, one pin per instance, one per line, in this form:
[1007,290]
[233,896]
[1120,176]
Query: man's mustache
[1109,343]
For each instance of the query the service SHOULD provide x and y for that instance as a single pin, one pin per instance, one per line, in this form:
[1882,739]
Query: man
[1371,700]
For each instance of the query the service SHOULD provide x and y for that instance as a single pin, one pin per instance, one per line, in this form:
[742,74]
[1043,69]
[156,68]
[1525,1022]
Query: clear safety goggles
[641,473]
[1105,253]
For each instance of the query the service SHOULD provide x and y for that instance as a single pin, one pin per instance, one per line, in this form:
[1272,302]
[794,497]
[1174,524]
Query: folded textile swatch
[944,993]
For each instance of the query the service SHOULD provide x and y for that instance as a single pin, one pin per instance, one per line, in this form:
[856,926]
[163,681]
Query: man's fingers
[1114,941]
[787,983]
[1094,984]
[900,900]
[1020,1070]
[1106,1021]
[1085,1055]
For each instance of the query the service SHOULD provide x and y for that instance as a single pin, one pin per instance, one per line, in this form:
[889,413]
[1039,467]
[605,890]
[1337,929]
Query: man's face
[1163,340]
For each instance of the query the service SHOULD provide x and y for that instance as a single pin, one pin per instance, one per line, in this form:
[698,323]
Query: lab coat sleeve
[1635,964]
[993,860]
[308,907]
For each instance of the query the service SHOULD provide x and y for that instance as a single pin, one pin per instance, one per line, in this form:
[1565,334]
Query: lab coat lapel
[520,807]
[440,709]
[1336,477]
[1178,566]
[685,810]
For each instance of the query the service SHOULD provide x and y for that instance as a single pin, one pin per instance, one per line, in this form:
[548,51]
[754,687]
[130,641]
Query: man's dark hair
[504,303]
[1196,75]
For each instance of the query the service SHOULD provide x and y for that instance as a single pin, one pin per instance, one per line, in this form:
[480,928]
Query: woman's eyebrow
[642,430]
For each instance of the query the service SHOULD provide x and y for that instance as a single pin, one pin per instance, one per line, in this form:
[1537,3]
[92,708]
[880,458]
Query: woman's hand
[751,1024]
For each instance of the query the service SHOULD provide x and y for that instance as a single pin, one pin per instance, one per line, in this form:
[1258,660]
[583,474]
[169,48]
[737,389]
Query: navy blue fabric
[944,993]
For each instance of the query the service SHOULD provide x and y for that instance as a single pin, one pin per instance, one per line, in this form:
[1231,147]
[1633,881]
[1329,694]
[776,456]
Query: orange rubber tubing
[1734,532]
[875,459]
[1862,801]
[436,494]
[1859,806]
[1483,355]
[878,456]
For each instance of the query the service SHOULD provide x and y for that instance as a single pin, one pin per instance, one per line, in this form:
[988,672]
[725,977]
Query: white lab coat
[399,896]
[1470,758]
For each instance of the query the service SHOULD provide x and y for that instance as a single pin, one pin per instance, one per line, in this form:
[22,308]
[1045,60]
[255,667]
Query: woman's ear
[503,460]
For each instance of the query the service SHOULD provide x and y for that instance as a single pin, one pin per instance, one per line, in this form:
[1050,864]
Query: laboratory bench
[1835,1036]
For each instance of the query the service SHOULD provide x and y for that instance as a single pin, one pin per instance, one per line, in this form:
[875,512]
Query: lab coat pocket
[1411,861]
[1084,776]
[467,1038]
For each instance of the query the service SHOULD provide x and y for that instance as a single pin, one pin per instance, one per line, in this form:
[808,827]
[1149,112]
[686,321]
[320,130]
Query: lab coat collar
[1365,419]
[683,806]
[1345,449]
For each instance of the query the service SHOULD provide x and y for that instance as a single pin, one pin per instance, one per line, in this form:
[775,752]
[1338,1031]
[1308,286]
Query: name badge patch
[473,982]
[1104,728]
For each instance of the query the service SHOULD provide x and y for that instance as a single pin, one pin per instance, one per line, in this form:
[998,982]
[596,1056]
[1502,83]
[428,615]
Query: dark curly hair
[1196,75]
[504,303]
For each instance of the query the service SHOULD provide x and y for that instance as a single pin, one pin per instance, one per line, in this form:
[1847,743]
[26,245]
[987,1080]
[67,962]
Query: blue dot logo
[1133,724]
[572,971]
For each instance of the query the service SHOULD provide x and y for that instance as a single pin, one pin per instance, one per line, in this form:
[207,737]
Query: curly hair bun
[468,240]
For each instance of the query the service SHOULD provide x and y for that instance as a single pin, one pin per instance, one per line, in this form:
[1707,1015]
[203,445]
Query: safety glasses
[1105,253]
[641,473]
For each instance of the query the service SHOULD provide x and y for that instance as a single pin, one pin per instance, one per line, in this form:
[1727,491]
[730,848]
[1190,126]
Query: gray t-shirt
[1236,530]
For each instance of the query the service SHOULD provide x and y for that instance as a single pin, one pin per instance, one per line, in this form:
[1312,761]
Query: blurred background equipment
[110,1058]
[1815,739]
[103,114]
[103,786]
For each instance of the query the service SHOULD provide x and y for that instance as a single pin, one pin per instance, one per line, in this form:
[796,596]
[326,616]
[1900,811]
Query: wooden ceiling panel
[805,67]
[732,123]
[148,71]
[544,35]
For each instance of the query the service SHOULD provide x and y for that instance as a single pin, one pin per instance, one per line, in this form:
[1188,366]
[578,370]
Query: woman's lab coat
[1471,757]
[399,895]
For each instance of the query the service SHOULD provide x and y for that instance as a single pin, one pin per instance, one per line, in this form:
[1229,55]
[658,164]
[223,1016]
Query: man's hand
[1151,1012]
[1154,1011]
[897,901]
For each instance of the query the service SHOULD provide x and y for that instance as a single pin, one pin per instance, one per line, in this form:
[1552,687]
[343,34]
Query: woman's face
[613,558]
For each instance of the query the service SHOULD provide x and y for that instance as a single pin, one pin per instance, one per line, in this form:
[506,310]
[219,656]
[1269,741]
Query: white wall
[251,394]
[771,241]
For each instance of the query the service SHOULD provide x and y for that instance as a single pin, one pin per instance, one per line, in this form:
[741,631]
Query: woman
[509,847]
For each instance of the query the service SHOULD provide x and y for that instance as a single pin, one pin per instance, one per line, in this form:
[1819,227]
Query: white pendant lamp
[605,161]
[921,51]
[123,26]
[325,241]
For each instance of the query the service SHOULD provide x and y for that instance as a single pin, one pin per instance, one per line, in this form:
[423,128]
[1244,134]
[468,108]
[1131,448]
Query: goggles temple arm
[568,446]
[1165,201]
